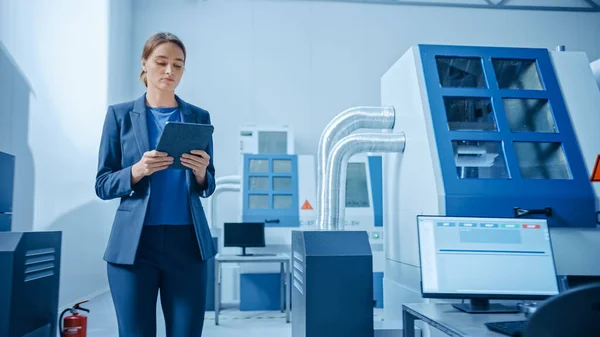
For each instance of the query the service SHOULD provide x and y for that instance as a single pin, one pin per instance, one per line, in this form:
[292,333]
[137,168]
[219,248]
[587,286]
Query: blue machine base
[260,292]
[378,289]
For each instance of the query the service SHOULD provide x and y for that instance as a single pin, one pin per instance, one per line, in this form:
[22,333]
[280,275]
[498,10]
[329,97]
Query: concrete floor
[232,322]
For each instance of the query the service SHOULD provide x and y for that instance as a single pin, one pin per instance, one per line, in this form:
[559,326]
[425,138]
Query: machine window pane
[529,115]
[282,201]
[460,72]
[272,142]
[259,165]
[517,74]
[260,201]
[259,183]
[470,114]
[282,183]
[357,190]
[282,166]
[539,160]
[479,159]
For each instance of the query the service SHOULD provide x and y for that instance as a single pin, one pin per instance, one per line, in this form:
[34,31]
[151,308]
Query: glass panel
[259,165]
[272,142]
[542,160]
[282,201]
[479,159]
[529,115]
[460,72]
[357,190]
[282,165]
[517,74]
[259,183]
[282,183]
[470,114]
[258,201]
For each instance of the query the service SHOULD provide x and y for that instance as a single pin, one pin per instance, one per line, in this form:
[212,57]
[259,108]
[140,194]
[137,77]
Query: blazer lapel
[187,116]
[140,124]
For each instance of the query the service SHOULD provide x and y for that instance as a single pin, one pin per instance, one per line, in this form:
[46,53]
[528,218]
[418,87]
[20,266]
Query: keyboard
[509,328]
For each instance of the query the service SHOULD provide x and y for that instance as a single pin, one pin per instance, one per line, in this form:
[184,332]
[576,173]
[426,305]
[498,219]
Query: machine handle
[521,212]
[271,220]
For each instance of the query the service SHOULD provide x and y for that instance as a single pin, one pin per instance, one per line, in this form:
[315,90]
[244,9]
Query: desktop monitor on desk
[486,258]
[244,235]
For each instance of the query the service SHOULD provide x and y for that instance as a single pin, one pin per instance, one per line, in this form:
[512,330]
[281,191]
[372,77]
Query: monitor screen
[493,258]
[244,234]
[357,190]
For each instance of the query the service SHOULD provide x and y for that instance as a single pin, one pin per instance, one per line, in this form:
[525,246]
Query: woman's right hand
[152,161]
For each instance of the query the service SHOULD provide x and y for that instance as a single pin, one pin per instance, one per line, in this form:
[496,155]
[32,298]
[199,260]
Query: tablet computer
[178,138]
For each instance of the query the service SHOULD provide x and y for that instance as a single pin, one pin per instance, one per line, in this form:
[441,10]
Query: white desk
[282,259]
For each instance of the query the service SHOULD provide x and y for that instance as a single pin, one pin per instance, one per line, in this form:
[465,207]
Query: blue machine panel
[504,135]
[260,291]
[5,222]
[7,176]
[376,175]
[270,190]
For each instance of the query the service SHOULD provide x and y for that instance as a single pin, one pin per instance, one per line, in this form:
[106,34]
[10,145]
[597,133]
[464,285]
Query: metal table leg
[408,324]
[287,291]
[217,290]
[282,285]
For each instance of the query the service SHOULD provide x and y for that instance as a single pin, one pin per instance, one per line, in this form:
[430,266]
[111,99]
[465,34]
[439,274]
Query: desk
[451,321]
[282,259]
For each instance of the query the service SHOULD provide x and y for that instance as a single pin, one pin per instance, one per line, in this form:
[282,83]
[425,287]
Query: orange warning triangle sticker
[596,173]
[306,205]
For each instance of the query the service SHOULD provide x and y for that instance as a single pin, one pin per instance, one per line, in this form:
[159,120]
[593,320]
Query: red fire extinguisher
[74,325]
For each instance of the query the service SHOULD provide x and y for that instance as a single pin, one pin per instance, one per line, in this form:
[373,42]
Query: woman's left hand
[198,161]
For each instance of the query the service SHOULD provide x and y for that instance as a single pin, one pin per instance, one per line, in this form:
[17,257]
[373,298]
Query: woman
[160,239]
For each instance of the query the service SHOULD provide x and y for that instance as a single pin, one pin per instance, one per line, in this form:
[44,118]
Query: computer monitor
[486,258]
[244,235]
[29,283]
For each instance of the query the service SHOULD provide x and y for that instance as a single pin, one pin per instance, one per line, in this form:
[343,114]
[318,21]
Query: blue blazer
[124,141]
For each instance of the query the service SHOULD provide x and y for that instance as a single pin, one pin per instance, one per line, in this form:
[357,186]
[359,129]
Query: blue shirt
[169,202]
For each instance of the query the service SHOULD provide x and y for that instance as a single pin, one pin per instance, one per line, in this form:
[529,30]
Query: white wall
[119,50]
[300,63]
[55,99]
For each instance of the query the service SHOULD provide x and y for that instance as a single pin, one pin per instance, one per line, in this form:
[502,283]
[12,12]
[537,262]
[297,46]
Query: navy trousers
[168,260]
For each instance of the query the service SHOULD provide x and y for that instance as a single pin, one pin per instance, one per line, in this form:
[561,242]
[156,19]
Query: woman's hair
[153,42]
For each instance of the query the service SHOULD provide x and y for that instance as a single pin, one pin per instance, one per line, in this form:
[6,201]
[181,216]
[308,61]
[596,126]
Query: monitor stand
[244,252]
[483,306]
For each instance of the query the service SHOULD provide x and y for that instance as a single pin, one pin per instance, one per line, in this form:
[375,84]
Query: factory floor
[232,322]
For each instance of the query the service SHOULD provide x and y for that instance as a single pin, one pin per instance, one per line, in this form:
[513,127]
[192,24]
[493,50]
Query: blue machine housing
[572,201]
[332,284]
[264,167]
[29,283]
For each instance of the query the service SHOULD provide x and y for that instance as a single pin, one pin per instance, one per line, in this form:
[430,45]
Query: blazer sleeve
[112,181]
[209,185]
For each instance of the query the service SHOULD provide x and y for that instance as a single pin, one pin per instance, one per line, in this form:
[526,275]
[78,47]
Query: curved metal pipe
[332,215]
[362,117]
[228,180]
[219,189]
